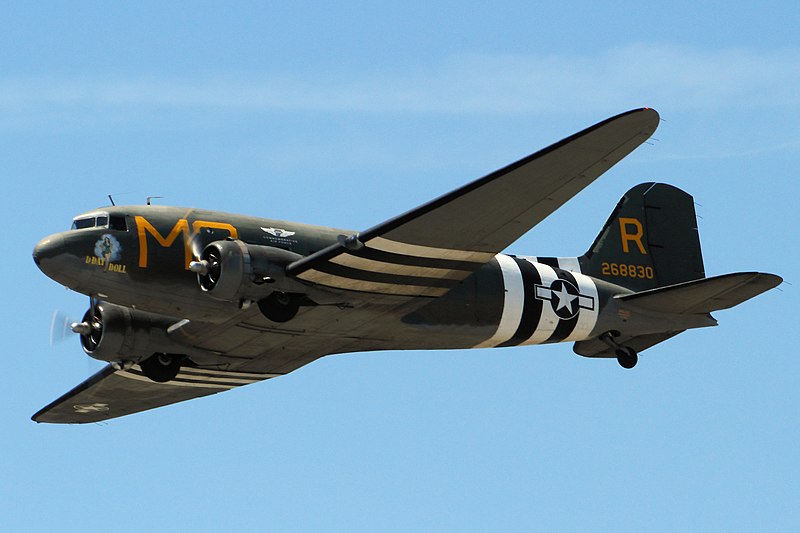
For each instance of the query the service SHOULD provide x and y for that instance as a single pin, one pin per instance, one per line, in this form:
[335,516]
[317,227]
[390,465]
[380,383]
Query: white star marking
[565,299]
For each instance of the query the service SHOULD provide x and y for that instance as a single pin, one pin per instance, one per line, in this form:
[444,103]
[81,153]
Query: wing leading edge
[112,393]
[428,250]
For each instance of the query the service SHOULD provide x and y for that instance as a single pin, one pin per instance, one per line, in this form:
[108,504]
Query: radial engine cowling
[232,270]
[115,333]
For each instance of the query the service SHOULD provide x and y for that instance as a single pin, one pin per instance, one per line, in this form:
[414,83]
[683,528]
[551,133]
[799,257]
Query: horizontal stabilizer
[111,393]
[597,348]
[704,295]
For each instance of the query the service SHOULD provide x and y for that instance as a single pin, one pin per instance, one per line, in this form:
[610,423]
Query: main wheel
[161,367]
[627,357]
[279,306]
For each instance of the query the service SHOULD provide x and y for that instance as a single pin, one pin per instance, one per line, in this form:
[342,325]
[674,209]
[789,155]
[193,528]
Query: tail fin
[649,241]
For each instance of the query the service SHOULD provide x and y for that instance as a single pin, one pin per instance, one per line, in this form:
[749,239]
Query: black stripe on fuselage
[381,277]
[532,307]
[549,261]
[565,327]
[411,260]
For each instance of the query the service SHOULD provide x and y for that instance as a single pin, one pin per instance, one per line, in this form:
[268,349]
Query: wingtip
[774,279]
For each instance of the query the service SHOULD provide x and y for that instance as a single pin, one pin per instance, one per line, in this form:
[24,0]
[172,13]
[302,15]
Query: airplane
[185,303]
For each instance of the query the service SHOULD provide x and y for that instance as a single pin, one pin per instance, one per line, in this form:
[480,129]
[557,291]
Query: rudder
[650,240]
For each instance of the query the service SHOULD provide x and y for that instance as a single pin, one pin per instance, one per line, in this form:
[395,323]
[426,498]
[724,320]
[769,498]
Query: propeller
[209,268]
[197,264]
[62,326]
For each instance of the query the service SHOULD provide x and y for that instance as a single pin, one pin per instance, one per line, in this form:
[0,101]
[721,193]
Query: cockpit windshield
[101,220]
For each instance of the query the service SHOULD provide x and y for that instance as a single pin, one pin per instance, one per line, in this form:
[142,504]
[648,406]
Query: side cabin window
[118,223]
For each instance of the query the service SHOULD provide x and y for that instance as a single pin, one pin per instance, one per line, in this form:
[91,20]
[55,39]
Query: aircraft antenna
[151,197]
[111,200]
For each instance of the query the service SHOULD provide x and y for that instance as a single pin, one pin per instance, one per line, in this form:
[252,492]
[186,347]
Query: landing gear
[280,306]
[161,367]
[626,356]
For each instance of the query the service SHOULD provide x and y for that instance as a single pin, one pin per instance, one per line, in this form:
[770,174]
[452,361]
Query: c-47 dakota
[187,302]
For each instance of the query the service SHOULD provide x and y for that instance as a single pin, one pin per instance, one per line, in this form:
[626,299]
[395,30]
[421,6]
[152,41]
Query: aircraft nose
[48,247]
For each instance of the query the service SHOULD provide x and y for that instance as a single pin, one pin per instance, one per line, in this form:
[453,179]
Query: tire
[279,306]
[627,357]
[161,367]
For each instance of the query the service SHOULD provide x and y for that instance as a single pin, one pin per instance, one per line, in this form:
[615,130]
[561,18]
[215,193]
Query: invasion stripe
[227,373]
[564,263]
[548,318]
[363,263]
[565,327]
[188,372]
[387,245]
[532,309]
[368,252]
[549,261]
[194,378]
[513,302]
[191,375]
[130,375]
[383,277]
[589,305]
[339,282]
[569,263]
[217,379]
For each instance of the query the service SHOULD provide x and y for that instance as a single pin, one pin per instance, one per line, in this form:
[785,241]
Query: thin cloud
[677,77]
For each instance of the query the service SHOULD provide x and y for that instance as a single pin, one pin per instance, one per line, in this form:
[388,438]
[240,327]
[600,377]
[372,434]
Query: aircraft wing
[111,393]
[428,250]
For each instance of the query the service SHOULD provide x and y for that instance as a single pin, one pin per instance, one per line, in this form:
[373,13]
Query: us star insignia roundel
[565,298]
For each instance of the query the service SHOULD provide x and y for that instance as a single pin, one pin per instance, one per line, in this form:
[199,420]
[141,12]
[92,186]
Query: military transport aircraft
[187,302]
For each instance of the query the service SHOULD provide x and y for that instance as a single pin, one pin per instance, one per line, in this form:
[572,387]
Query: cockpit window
[102,220]
[83,223]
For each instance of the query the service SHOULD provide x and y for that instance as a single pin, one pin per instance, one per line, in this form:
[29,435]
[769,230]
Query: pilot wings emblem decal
[278,232]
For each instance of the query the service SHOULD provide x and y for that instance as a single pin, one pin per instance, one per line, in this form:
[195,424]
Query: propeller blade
[60,327]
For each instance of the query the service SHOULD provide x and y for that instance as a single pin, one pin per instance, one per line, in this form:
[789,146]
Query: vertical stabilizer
[650,240]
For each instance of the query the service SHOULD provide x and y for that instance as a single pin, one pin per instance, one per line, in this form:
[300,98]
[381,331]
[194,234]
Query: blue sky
[346,115]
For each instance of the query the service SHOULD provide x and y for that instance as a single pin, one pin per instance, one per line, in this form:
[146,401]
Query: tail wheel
[161,367]
[280,306]
[627,357]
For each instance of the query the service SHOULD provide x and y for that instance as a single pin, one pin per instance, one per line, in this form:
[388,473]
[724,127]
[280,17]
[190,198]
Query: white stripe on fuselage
[513,302]
[589,308]
[569,263]
[548,320]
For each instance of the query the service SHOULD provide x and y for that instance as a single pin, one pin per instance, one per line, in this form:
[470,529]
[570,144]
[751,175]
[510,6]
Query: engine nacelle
[114,333]
[232,270]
